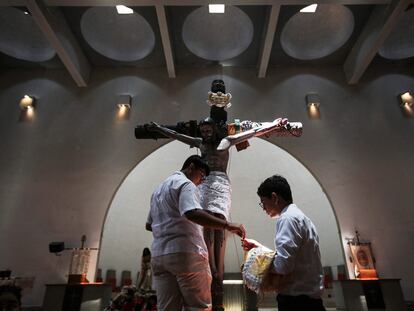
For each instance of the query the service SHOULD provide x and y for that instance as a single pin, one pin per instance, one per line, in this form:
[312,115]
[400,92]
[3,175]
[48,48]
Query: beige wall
[58,174]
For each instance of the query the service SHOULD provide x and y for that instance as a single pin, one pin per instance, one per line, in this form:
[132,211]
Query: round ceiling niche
[217,37]
[400,43]
[121,37]
[21,38]
[308,36]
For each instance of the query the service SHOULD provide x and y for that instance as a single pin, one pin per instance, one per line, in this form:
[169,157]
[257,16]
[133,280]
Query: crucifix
[214,136]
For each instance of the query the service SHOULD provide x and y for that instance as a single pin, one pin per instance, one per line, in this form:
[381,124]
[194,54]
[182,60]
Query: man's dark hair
[12,289]
[207,121]
[146,252]
[276,184]
[198,163]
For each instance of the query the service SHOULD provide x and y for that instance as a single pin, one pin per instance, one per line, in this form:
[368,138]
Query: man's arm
[192,141]
[288,240]
[205,219]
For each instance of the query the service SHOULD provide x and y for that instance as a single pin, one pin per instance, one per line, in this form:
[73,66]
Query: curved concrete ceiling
[120,37]
[308,36]
[400,43]
[217,36]
[21,38]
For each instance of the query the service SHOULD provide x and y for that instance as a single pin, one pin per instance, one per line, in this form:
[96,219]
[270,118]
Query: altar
[77,297]
[361,295]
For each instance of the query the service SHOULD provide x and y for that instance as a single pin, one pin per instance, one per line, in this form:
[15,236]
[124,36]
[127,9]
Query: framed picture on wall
[363,260]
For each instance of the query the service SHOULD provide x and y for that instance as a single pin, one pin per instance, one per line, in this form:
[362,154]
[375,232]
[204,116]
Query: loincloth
[216,193]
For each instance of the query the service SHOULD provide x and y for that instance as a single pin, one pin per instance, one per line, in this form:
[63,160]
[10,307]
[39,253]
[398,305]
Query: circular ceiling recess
[122,37]
[400,43]
[309,36]
[219,36]
[21,38]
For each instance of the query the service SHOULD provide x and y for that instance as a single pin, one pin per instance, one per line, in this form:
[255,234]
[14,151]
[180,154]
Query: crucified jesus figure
[214,145]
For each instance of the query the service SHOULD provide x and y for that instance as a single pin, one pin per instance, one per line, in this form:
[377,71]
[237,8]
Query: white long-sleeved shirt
[297,252]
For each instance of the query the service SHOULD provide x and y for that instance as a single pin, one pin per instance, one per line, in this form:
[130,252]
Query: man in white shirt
[181,271]
[297,248]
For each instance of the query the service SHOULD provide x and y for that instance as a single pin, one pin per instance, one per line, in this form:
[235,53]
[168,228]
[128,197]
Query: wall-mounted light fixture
[124,102]
[22,9]
[27,102]
[406,100]
[313,102]
[216,8]
[124,106]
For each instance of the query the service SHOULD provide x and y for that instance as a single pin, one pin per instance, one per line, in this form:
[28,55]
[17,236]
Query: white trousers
[182,282]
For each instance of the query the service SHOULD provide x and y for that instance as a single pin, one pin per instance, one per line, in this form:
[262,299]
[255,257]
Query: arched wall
[124,235]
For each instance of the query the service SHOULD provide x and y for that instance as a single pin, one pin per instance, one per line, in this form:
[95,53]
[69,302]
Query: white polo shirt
[172,231]
[297,252]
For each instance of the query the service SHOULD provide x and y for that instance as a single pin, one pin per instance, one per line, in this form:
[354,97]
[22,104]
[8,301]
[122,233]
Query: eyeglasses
[203,173]
[261,205]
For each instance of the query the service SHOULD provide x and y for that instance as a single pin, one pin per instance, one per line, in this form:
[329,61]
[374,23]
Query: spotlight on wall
[406,99]
[27,102]
[216,8]
[23,9]
[124,106]
[124,102]
[406,103]
[313,102]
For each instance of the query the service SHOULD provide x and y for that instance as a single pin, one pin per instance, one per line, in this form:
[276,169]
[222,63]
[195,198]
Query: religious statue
[213,136]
